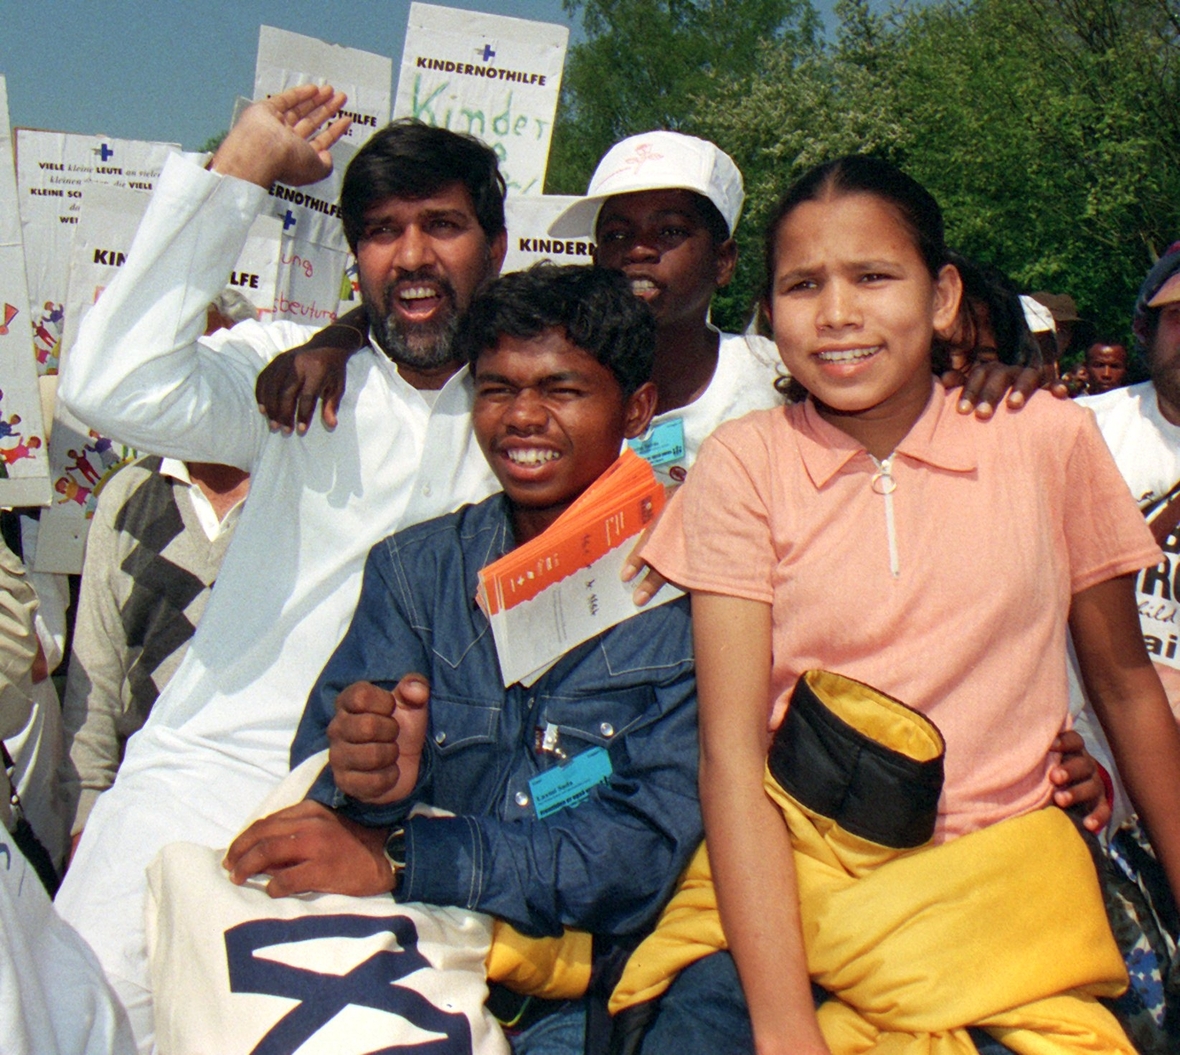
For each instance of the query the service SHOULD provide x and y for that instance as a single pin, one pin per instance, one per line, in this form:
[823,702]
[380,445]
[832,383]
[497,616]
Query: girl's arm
[749,848]
[1133,708]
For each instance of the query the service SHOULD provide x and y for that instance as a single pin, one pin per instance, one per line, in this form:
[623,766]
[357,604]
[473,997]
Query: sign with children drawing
[312,278]
[24,470]
[55,171]
[495,77]
[81,461]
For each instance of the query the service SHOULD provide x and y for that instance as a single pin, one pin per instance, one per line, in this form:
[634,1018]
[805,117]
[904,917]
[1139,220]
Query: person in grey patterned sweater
[155,546]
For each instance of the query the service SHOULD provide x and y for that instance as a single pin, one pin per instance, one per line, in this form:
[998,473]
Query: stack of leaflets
[563,587]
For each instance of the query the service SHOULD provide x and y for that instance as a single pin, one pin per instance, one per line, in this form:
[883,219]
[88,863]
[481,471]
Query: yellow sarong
[1003,928]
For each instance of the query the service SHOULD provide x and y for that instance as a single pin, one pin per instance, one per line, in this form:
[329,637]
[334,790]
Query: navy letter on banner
[323,996]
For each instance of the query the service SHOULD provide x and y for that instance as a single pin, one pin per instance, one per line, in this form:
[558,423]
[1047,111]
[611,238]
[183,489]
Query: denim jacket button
[606,729]
[440,738]
[522,798]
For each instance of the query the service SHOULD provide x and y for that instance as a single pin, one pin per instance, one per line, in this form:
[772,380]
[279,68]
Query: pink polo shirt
[954,601]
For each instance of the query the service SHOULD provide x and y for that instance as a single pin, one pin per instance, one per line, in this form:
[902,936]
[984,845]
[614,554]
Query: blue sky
[170,70]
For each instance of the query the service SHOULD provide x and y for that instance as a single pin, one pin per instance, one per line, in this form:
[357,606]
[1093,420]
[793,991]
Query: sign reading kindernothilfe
[312,275]
[82,460]
[495,77]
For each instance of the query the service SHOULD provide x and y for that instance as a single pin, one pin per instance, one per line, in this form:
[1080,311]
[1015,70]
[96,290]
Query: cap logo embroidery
[644,153]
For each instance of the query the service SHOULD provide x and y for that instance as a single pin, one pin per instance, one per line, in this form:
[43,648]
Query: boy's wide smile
[530,456]
[550,419]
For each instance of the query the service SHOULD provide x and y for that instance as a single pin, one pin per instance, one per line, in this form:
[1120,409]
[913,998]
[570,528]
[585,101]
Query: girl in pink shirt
[830,535]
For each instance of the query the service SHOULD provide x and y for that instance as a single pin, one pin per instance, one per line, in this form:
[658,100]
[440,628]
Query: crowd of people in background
[910,576]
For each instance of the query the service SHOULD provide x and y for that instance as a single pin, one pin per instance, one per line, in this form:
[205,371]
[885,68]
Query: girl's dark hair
[864,174]
[987,288]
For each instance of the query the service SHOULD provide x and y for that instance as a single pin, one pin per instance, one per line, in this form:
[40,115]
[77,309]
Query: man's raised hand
[280,139]
[376,739]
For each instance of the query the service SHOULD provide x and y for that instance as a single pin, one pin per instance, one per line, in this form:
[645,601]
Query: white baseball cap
[656,161]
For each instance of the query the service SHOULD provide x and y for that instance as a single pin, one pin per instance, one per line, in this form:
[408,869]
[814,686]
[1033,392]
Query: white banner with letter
[54,173]
[495,77]
[312,276]
[81,459]
[528,219]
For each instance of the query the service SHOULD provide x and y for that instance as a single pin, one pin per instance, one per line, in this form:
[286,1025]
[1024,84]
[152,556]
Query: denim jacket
[607,864]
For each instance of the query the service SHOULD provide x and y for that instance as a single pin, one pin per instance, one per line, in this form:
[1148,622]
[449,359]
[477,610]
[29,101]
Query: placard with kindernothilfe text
[312,277]
[494,77]
[528,218]
[82,460]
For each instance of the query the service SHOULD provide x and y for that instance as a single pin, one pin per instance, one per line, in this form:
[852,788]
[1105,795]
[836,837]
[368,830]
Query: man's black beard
[423,346]
[428,347]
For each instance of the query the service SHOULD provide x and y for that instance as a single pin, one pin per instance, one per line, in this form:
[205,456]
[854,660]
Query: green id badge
[557,789]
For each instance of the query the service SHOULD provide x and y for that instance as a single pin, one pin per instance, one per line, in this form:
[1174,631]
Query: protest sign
[312,280]
[256,275]
[54,173]
[495,77]
[81,460]
[528,219]
[24,469]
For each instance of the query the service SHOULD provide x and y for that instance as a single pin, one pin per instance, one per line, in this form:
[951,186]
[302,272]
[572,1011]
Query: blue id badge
[556,789]
[662,443]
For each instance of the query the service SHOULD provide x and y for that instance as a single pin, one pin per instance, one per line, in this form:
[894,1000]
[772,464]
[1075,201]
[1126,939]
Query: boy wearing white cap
[662,208]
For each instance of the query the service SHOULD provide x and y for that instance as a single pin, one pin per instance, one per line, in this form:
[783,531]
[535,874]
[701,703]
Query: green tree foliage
[644,60]
[1048,129]
[796,108]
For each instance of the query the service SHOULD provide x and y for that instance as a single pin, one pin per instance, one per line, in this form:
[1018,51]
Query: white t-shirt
[743,380]
[1146,448]
[217,740]
[1145,445]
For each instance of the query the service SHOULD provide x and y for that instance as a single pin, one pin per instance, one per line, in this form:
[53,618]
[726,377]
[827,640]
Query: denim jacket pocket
[599,719]
[457,723]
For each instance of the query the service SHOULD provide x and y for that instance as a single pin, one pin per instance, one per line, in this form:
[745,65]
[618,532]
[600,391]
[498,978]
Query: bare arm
[1130,702]
[289,387]
[749,847]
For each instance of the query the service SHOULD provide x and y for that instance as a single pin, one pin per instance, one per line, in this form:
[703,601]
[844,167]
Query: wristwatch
[395,854]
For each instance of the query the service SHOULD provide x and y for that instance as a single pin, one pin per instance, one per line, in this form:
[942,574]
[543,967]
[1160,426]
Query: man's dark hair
[412,160]
[593,306]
